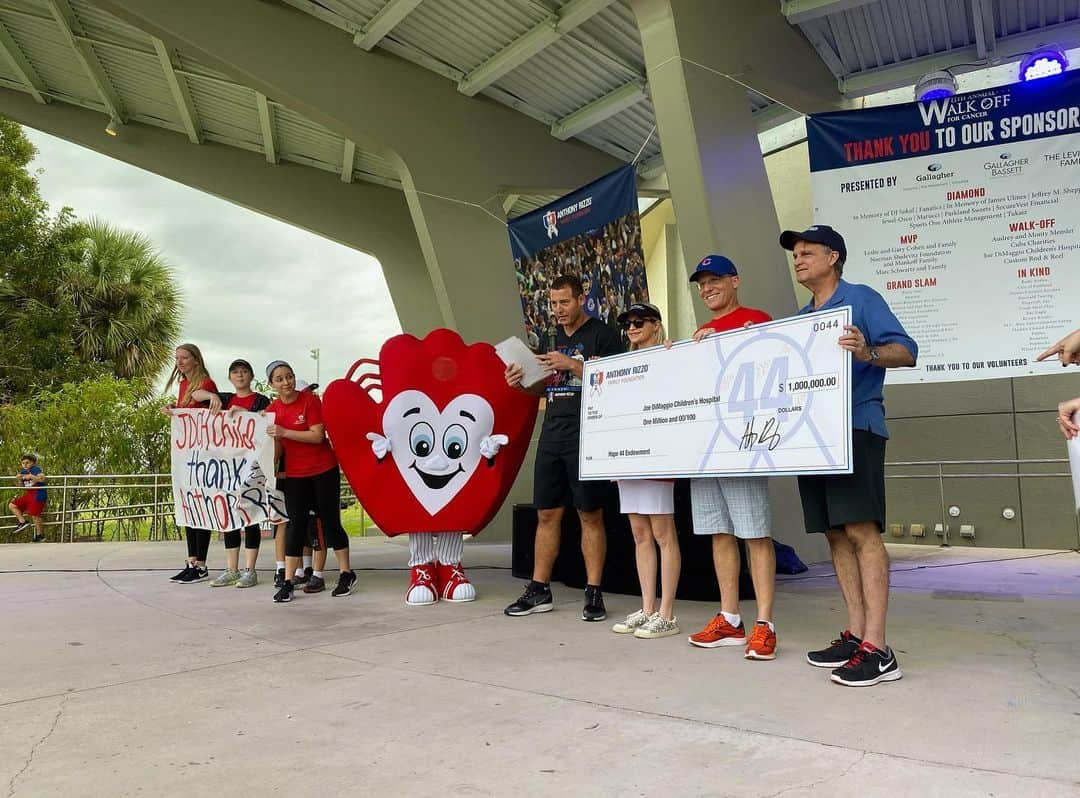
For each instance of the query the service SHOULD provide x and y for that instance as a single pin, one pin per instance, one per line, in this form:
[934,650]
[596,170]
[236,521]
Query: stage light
[935,85]
[113,128]
[1043,63]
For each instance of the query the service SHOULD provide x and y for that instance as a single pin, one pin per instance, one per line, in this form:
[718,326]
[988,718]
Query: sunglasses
[637,324]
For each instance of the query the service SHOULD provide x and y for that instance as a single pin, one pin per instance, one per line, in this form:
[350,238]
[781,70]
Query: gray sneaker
[657,626]
[226,579]
[247,578]
[633,621]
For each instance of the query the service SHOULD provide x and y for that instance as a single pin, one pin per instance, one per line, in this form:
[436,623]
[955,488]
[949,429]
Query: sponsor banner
[593,233]
[964,213]
[223,470]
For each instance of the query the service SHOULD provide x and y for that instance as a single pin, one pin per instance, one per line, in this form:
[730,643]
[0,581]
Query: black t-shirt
[562,420]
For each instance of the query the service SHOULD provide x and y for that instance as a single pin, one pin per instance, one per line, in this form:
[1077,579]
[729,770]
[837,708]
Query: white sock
[307,561]
[299,572]
[318,574]
[771,627]
[449,547]
[280,564]
[733,618]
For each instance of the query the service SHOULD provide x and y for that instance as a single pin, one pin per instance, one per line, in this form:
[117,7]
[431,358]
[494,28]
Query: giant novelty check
[769,399]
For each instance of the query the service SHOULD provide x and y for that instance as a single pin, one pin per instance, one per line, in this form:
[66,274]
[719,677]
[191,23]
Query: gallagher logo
[935,173]
[549,224]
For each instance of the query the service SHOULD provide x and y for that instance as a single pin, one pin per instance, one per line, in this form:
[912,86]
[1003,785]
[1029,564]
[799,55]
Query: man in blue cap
[850,508]
[734,508]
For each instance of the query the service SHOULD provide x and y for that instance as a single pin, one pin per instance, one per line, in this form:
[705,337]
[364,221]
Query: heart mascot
[435,456]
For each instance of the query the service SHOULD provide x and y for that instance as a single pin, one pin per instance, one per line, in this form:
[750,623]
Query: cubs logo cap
[714,264]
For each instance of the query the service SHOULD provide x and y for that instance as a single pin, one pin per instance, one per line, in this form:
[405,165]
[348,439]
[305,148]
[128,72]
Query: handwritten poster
[223,470]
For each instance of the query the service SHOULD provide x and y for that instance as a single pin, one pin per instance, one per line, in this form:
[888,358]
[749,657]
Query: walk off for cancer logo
[596,382]
[549,222]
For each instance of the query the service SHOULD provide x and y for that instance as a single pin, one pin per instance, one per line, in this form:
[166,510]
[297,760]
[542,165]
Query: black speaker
[697,581]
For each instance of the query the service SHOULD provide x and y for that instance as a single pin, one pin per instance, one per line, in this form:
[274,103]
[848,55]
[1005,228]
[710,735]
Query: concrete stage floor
[118,683]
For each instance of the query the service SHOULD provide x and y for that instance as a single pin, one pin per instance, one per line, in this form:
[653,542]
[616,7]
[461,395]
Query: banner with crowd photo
[593,233]
[964,213]
[223,470]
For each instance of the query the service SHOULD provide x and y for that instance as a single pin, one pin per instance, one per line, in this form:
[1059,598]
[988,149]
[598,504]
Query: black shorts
[556,483]
[833,500]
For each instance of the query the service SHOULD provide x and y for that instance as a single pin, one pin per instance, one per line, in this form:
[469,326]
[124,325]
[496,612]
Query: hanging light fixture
[1043,63]
[935,85]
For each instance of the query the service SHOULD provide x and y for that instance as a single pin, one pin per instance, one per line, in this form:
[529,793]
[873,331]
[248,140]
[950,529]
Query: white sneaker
[227,578]
[633,621]
[657,626]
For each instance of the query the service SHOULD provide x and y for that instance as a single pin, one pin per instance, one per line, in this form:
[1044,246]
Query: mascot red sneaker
[436,454]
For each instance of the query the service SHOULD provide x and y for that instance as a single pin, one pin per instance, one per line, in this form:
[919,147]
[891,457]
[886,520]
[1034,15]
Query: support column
[715,169]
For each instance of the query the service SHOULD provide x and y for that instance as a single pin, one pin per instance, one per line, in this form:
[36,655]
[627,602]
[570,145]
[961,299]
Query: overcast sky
[254,287]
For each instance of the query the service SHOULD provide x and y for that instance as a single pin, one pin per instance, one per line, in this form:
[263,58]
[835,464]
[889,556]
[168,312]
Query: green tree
[37,348]
[127,302]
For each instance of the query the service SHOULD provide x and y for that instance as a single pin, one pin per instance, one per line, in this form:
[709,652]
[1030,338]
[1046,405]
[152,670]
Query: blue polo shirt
[871,314]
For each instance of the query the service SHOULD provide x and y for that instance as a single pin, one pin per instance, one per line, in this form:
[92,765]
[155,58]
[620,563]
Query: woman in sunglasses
[650,505]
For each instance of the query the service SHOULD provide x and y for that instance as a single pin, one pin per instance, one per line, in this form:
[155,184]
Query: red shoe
[453,584]
[762,643]
[422,588]
[718,632]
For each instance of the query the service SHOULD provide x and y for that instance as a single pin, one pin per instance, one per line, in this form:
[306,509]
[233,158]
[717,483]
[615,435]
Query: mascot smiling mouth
[436,481]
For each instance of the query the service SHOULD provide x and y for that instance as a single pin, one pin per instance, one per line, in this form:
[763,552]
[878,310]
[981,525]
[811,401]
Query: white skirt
[646,496]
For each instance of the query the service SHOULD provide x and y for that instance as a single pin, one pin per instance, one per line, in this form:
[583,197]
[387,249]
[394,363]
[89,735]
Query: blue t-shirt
[871,314]
[40,494]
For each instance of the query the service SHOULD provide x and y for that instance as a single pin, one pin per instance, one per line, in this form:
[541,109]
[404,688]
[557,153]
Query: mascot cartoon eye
[455,441]
[421,439]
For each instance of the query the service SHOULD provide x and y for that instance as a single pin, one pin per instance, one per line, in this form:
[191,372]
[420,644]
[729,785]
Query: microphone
[551,340]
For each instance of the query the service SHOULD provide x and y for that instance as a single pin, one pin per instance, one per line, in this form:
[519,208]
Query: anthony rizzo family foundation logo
[596,383]
[1005,166]
[574,210]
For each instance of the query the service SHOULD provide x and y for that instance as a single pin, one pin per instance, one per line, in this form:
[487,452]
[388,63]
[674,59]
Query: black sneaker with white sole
[21,526]
[536,598]
[284,594]
[346,584]
[594,609]
[868,666]
[838,652]
[194,574]
[179,577]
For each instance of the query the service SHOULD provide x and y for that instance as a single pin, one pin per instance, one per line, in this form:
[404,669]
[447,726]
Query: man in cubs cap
[730,509]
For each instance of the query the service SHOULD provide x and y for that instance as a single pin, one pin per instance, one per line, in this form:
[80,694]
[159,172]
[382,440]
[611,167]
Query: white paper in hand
[1074,463]
[514,351]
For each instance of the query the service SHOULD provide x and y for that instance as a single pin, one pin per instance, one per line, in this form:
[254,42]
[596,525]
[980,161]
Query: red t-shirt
[244,402]
[301,414]
[737,319]
[206,385]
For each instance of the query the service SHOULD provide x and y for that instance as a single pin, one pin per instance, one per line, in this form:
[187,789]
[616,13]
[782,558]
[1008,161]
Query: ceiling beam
[982,19]
[387,18]
[348,161]
[525,47]
[958,61]
[800,11]
[179,88]
[614,102]
[269,130]
[24,70]
[69,27]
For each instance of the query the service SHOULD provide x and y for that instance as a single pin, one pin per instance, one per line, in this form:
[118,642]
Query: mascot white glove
[379,445]
[490,445]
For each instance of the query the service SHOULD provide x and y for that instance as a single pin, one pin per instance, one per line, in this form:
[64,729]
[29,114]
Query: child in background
[32,502]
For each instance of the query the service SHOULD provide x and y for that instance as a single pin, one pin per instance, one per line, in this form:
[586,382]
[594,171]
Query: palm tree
[128,306]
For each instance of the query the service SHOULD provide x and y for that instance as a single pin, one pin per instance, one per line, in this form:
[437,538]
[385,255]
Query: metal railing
[939,474]
[112,507]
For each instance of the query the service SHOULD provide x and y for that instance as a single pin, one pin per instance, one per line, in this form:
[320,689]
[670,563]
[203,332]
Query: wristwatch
[874,354]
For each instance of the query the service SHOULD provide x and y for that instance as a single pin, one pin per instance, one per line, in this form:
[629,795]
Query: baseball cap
[714,264]
[818,234]
[643,310]
[304,385]
[273,364]
[241,363]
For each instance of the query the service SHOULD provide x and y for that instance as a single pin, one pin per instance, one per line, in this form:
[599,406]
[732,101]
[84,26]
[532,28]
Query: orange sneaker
[762,643]
[718,632]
